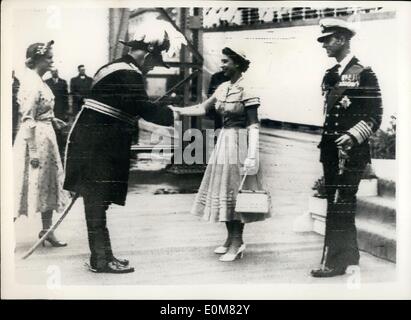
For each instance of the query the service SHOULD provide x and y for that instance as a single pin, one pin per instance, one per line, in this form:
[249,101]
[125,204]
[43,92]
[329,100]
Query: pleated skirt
[216,197]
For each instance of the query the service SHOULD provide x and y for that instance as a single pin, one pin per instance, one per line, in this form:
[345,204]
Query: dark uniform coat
[353,107]
[98,149]
[351,98]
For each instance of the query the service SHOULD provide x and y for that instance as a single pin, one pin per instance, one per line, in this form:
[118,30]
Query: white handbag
[252,201]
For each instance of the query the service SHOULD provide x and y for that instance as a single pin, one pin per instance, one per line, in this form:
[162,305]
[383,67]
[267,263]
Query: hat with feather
[156,36]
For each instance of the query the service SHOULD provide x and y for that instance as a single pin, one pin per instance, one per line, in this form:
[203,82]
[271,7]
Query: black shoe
[112,267]
[123,262]
[328,272]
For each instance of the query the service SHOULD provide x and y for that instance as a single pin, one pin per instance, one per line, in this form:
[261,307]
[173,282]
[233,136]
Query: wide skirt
[38,189]
[216,197]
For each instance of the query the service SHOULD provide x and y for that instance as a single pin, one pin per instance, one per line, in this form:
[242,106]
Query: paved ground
[167,245]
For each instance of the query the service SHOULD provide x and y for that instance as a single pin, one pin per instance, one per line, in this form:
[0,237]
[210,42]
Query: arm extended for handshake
[251,162]
[196,110]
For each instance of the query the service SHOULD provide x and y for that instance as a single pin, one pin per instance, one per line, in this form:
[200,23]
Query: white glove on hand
[251,162]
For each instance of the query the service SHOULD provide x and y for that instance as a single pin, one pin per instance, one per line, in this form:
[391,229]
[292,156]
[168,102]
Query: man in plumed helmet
[352,113]
[98,147]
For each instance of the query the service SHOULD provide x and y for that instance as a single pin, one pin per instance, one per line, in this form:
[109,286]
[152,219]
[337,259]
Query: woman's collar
[235,84]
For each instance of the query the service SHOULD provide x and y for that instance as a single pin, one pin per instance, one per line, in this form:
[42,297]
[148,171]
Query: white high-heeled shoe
[221,250]
[228,257]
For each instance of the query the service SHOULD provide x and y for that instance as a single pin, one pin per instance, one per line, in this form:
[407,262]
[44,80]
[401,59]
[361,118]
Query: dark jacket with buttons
[352,100]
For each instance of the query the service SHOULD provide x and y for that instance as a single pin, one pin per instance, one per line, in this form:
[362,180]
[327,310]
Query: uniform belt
[110,111]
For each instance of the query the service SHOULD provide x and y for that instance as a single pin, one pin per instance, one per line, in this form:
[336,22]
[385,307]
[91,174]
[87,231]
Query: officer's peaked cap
[330,26]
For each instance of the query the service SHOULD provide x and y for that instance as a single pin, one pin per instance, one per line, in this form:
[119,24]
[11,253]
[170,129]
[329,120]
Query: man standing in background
[59,88]
[80,88]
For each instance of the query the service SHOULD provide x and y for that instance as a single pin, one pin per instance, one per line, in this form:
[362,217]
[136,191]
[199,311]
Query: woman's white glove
[193,111]
[251,163]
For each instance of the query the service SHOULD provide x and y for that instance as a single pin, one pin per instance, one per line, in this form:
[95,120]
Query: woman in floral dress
[38,171]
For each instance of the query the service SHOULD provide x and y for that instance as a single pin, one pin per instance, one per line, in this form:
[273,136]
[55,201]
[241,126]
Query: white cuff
[253,134]
[251,102]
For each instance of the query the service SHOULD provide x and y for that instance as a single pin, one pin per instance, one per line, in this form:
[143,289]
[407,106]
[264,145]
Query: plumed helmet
[156,36]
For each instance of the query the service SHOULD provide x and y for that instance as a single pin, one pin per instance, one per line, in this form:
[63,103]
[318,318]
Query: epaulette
[113,67]
[363,66]
[356,69]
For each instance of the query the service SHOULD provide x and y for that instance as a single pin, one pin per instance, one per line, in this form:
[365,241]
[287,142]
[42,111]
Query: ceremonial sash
[110,111]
